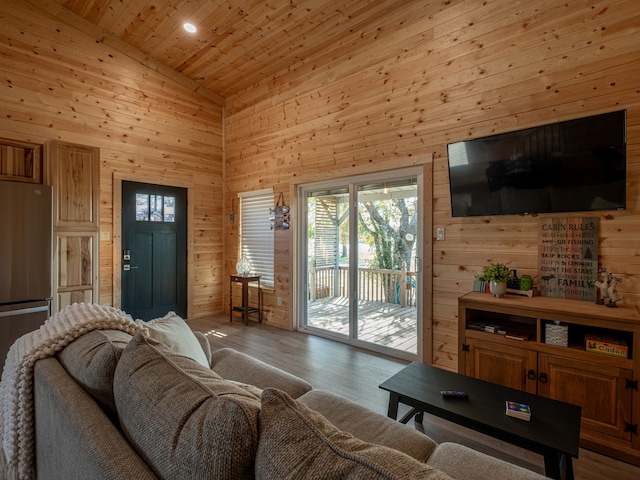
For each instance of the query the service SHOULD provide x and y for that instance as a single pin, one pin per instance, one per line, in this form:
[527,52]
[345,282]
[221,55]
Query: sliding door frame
[298,262]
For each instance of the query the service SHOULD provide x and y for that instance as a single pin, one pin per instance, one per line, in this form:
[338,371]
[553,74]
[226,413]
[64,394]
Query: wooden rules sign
[568,257]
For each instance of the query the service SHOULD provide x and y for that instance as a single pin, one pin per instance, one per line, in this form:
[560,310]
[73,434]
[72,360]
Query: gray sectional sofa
[113,406]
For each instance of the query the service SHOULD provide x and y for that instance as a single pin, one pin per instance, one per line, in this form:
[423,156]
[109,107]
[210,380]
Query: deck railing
[376,285]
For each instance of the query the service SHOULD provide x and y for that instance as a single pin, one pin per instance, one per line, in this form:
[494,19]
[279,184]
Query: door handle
[24,311]
[128,267]
[531,374]
[543,378]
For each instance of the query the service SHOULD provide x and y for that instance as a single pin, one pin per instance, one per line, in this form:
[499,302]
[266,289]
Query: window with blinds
[256,235]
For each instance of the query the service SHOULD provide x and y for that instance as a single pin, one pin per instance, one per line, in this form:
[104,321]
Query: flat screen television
[571,166]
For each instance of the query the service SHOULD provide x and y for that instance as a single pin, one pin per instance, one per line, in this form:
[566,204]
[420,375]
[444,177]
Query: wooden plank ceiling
[238,42]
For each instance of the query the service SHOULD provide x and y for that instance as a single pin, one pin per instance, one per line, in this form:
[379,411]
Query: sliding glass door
[359,250]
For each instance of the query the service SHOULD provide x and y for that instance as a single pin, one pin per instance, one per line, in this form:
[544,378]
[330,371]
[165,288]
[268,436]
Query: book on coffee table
[518,410]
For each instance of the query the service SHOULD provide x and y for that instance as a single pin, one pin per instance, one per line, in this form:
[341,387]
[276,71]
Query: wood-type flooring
[356,374]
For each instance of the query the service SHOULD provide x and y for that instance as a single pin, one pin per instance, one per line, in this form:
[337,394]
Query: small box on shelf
[556,334]
[612,346]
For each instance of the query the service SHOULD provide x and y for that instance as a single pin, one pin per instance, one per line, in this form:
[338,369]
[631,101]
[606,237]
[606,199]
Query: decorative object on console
[607,294]
[602,286]
[243,267]
[614,297]
[479,283]
[513,281]
[497,275]
[526,283]
[568,257]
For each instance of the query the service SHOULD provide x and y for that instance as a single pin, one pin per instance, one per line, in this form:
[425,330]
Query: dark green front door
[154,250]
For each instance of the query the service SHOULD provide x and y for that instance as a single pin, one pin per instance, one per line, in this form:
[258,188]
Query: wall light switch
[440,233]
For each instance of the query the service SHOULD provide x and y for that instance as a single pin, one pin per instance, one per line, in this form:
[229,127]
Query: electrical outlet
[279,301]
[440,233]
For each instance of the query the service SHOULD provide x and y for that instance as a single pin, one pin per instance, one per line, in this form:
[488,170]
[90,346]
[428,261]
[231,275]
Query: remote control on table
[453,394]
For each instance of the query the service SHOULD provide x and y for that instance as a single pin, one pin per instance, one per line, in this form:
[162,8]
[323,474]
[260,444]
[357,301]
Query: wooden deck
[381,323]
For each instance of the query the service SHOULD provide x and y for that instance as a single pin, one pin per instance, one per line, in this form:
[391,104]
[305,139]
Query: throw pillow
[182,418]
[174,332]
[297,442]
[91,361]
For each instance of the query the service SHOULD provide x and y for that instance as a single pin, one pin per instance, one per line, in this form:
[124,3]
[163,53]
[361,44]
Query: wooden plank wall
[62,79]
[411,77]
[423,74]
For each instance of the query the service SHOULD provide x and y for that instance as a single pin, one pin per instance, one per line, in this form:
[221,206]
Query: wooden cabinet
[606,387]
[501,364]
[20,161]
[599,388]
[76,181]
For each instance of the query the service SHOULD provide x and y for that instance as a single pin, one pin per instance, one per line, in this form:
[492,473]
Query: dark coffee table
[553,431]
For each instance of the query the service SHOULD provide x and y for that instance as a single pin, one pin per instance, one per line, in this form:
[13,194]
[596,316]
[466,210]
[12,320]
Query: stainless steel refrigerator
[25,260]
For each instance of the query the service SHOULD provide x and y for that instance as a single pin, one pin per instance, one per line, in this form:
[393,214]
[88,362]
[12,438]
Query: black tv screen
[571,166]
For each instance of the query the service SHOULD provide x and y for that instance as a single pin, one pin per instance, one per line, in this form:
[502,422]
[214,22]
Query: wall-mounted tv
[571,166]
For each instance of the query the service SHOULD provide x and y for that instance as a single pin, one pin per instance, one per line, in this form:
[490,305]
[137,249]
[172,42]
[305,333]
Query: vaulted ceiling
[238,43]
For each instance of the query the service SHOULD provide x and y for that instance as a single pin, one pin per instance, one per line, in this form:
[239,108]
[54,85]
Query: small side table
[244,308]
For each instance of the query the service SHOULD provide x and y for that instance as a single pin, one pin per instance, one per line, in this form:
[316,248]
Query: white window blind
[256,235]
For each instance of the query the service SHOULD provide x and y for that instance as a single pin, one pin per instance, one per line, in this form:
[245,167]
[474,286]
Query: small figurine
[614,297]
[603,286]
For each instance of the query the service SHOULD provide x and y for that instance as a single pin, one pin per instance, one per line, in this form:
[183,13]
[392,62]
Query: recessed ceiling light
[190,28]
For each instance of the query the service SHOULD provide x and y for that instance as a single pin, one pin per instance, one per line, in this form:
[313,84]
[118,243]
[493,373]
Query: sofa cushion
[73,436]
[369,426]
[91,361]
[174,332]
[297,442]
[233,365]
[181,417]
[203,340]
[464,463]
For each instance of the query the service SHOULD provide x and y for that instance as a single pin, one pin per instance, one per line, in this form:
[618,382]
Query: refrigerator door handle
[24,311]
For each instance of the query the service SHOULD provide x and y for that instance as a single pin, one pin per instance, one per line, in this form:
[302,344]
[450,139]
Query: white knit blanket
[16,386]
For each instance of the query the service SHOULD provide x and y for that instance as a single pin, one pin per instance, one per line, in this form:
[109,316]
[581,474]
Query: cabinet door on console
[598,388]
[502,364]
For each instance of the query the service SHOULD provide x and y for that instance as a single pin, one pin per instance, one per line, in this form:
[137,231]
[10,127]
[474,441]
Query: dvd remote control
[453,394]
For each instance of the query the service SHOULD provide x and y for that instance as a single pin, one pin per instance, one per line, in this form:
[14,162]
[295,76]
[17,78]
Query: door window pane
[169,209]
[142,207]
[328,260]
[155,208]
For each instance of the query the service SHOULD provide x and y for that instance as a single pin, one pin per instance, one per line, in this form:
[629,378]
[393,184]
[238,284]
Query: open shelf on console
[509,325]
[606,341]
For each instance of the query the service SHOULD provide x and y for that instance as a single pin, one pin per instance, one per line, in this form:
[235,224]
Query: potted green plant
[497,275]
